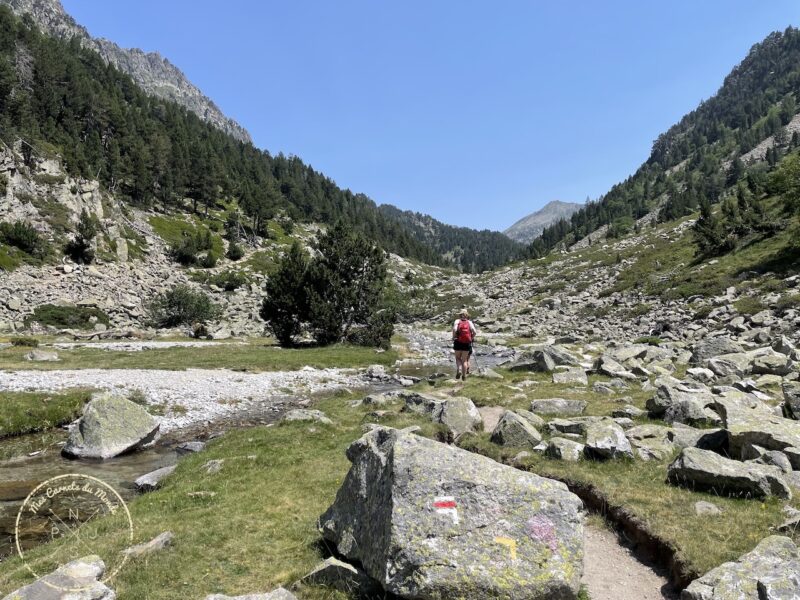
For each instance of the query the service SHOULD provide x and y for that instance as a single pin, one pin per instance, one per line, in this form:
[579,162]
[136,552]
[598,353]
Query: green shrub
[378,331]
[22,235]
[80,249]
[702,313]
[3,184]
[187,250]
[209,260]
[235,252]
[181,306]
[652,340]
[67,317]
[229,280]
[788,302]
[749,305]
[25,341]
[639,310]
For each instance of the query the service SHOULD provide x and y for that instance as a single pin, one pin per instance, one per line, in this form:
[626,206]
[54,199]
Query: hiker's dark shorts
[462,346]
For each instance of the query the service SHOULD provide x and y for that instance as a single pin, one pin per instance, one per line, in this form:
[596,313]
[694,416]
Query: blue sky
[474,112]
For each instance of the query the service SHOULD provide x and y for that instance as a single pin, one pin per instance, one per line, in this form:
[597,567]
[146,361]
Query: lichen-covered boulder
[459,415]
[564,449]
[110,426]
[558,406]
[431,521]
[77,580]
[706,470]
[769,572]
[514,430]
[651,442]
[571,375]
[605,439]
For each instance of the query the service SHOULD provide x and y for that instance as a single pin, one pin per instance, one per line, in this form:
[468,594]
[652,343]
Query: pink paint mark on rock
[542,530]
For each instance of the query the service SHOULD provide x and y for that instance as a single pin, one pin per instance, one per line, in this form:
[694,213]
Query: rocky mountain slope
[152,72]
[530,227]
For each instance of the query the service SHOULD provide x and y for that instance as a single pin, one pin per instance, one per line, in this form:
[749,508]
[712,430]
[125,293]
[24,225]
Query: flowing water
[28,460]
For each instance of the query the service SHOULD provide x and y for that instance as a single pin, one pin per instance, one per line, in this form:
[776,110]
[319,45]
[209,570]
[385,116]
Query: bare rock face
[153,73]
[770,571]
[431,521]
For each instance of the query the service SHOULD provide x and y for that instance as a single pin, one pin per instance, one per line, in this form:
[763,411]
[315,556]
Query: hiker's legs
[462,358]
[459,365]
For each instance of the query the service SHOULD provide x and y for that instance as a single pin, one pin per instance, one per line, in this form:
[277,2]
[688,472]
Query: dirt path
[612,572]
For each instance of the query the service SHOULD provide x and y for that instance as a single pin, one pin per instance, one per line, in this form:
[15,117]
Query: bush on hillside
[228,280]
[187,251]
[25,342]
[79,249]
[235,252]
[23,236]
[181,306]
[67,317]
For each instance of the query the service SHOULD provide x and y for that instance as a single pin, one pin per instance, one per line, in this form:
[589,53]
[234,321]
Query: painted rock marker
[446,505]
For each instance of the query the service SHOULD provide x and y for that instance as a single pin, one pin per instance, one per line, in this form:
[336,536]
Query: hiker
[464,333]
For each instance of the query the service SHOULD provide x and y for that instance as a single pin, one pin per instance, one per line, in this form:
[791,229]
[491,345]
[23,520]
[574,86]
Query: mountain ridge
[528,228]
[154,73]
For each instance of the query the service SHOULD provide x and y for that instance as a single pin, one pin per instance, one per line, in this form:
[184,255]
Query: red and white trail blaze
[446,505]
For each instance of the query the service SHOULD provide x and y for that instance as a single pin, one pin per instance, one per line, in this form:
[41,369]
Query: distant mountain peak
[151,71]
[529,228]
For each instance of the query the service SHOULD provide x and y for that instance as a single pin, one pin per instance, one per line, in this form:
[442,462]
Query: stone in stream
[558,406]
[110,426]
[515,431]
[77,580]
[706,470]
[605,439]
[152,481]
[431,521]
[770,572]
[276,594]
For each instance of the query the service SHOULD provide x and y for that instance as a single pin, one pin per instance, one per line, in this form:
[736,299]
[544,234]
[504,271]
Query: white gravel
[138,346]
[194,395]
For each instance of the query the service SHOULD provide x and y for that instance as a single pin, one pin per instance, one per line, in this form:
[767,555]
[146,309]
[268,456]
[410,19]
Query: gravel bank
[195,395]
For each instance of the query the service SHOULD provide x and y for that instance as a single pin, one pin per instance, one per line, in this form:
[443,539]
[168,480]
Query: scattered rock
[705,470]
[305,414]
[42,356]
[277,594]
[571,376]
[160,542]
[77,580]
[458,524]
[213,466]
[515,431]
[769,572]
[651,442]
[706,509]
[189,447]
[342,576]
[110,426]
[558,406]
[564,449]
[606,440]
[152,481]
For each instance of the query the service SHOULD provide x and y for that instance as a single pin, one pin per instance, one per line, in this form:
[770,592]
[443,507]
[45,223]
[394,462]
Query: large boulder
[564,449]
[571,375]
[757,425]
[769,572]
[516,431]
[651,442]
[605,439]
[77,580]
[544,359]
[558,406]
[458,414]
[791,400]
[682,403]
[431,521]
[706,470]
[110,426]
[711,347]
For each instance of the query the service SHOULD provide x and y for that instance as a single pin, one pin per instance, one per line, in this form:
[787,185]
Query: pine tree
[285,309]
[708,232]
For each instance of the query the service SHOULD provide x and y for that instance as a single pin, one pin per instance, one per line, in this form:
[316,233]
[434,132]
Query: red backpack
[463,332]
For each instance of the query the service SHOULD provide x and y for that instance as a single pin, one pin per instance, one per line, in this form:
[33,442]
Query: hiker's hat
[464,313]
